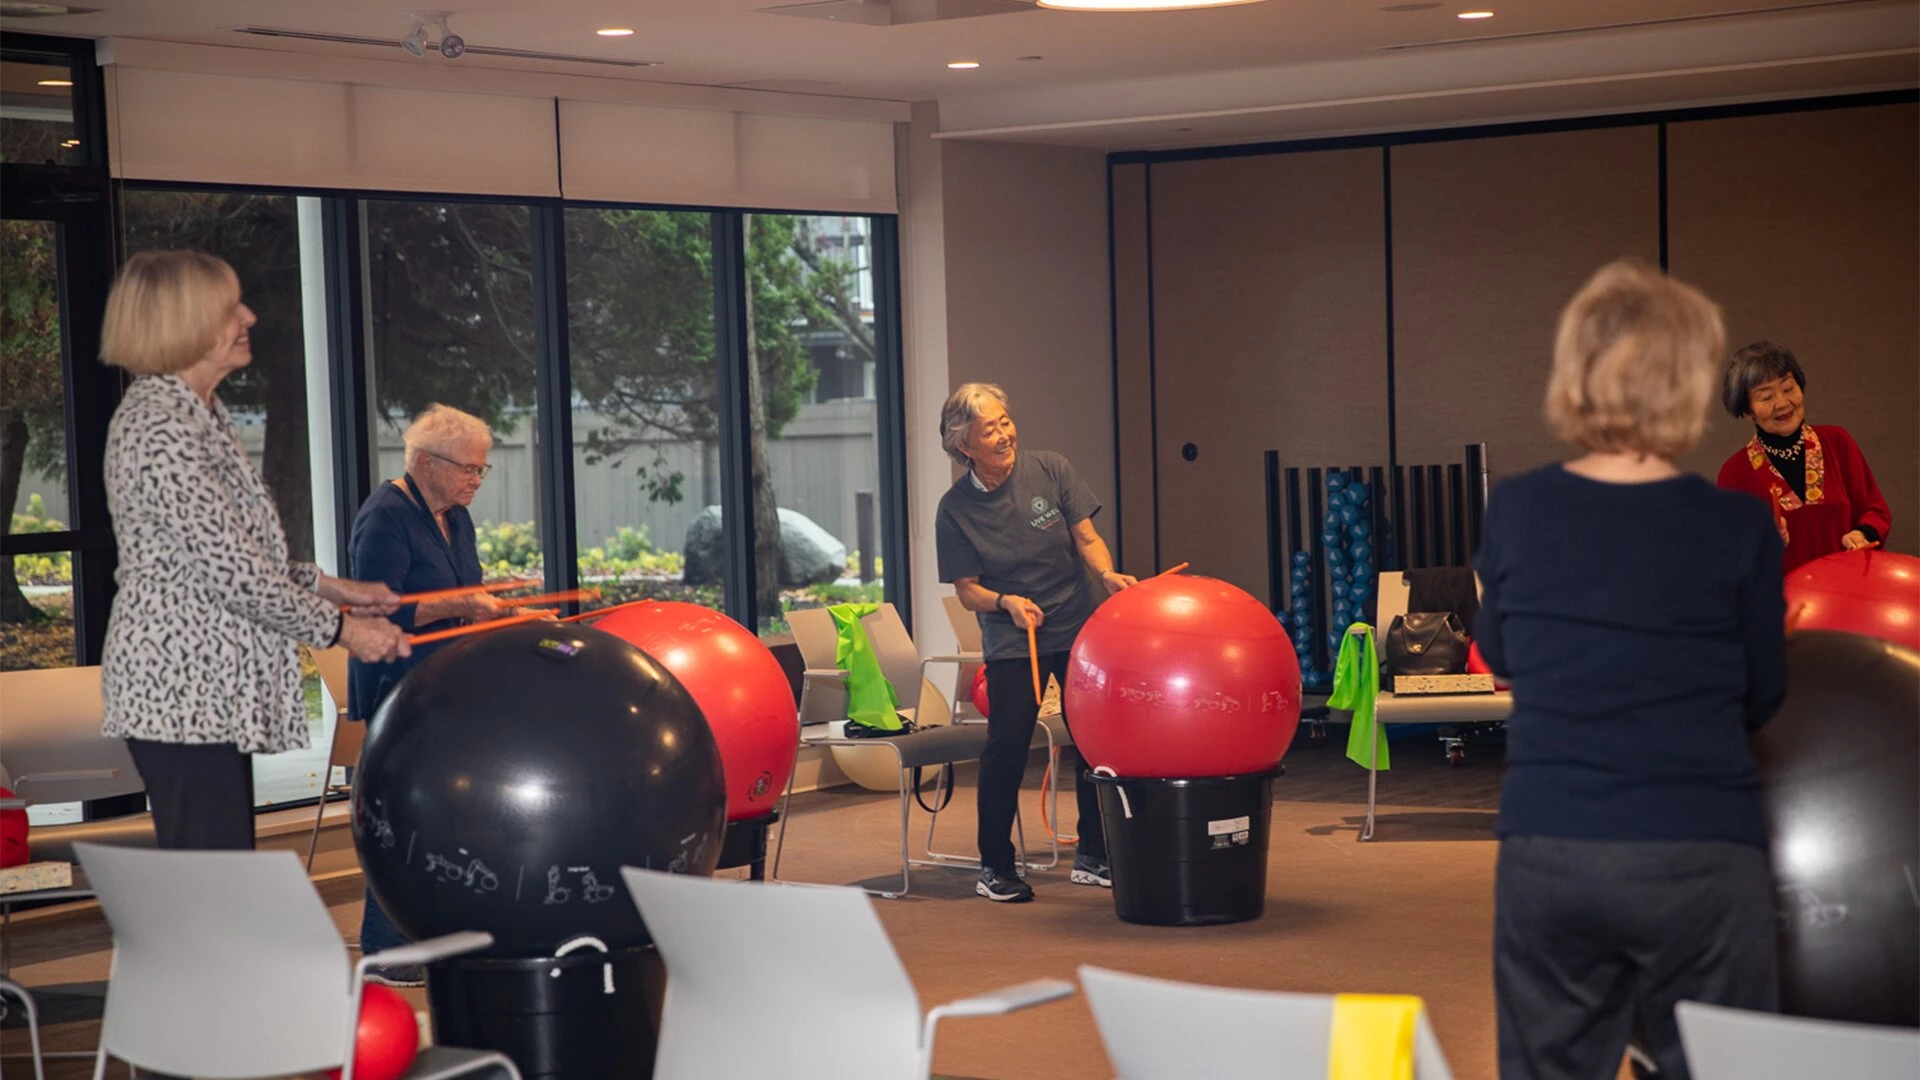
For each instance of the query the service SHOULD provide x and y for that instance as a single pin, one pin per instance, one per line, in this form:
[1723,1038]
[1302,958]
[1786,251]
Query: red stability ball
[979,690]
[1875,593]
[1181,677]
[13,834]
[387,1037]
[737,683]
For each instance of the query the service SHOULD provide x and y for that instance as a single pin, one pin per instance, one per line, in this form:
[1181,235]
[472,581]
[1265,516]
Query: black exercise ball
[1841,765]
[508,778]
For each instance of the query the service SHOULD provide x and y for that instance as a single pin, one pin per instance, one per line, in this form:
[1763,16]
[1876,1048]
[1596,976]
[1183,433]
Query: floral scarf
[1784,500]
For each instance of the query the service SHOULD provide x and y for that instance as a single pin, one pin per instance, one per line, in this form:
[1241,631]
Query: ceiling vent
[1675,20]
[899,12]
[434,46]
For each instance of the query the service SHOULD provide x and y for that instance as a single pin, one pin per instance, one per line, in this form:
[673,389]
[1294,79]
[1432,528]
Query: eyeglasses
[478,472]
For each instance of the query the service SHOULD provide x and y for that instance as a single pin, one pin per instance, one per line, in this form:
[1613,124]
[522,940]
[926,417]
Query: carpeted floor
[1408,913]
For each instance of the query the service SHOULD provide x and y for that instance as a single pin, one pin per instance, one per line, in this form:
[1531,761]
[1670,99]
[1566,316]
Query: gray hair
[958,414]
[1751,365]
[442,429]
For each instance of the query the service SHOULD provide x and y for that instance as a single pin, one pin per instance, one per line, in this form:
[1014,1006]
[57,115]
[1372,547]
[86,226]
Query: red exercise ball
[1181,677]
[739,686]
[387,1037]
[1875,593]
[979,690]
[1477,665]
[13,834]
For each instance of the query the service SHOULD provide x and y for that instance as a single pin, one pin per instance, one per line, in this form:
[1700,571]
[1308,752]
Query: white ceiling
[1282,68]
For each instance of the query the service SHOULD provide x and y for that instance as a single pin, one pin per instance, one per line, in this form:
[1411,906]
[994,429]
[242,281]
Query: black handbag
[1426,643]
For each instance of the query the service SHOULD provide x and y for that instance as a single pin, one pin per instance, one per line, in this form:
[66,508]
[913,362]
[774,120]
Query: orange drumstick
[1173,570]
[566,597]
[463,590]
[458,631]
[1033,659]
[597,612]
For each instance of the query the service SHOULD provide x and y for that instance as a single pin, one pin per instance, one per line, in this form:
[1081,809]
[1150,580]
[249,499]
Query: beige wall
[1004,261]
[1490,238]
[1806,228]
[1269,299]
[1027,295]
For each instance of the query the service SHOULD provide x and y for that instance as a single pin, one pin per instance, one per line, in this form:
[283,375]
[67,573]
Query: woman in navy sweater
[1638,612]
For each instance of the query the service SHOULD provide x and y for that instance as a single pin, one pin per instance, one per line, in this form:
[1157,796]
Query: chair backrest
[818,641]
[966,624]
[225,963]
[332,664]
[900,659]
[1148,1027]
[53,748]
[814,636]
[742,948]
[1734,1044]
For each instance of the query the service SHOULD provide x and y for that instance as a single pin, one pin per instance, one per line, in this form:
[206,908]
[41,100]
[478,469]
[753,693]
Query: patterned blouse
[203,641]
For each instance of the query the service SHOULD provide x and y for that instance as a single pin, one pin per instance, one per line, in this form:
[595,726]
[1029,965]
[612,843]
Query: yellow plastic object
[1372,1037]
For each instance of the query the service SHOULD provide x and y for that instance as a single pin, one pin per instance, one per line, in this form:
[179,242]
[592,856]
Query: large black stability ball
[1841,765]
[507,779]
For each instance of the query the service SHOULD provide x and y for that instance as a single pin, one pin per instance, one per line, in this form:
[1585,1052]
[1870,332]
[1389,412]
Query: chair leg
[33,1024]
[786,800]
[319,813]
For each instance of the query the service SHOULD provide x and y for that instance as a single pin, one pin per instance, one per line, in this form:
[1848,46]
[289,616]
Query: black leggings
[202,794]
[1003,763]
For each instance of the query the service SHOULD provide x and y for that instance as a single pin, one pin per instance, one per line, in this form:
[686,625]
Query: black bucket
[1188,852]
[553,1017]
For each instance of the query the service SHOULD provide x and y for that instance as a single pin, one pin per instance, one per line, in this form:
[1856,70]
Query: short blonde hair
[167,310]
[1634,364]
[443,429]
[958,414]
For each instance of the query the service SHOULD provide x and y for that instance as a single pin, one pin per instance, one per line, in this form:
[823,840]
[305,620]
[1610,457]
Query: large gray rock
[809,554]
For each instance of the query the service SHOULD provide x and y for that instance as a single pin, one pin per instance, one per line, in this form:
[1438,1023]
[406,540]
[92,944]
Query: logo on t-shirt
[1044,516]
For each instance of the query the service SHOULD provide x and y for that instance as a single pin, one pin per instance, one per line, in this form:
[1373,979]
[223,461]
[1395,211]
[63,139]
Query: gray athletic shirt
[1018,538]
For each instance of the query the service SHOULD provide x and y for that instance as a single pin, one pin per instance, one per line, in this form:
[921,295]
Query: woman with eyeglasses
[416,535]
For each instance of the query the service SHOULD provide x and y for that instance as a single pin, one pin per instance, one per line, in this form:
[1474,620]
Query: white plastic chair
[1734,1044]
[1159,1029]
[226,964]
[738,949]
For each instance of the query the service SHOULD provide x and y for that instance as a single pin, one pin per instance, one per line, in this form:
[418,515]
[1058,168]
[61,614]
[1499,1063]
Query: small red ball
[979,691]
[386,1038]
[738,684]
[1183,676]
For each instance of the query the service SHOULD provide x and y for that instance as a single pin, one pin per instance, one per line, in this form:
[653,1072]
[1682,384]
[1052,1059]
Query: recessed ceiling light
[56,82]
[1476,15]
[1138,5]
[70,143]
[964,65]
[615,31]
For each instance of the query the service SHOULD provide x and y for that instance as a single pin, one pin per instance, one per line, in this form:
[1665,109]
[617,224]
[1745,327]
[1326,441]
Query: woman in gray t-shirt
[1015,537]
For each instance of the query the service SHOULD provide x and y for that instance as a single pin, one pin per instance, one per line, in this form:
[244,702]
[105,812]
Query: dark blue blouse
[396,540]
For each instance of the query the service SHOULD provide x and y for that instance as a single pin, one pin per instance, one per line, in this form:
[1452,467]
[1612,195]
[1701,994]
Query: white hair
[963,407]
[444,430]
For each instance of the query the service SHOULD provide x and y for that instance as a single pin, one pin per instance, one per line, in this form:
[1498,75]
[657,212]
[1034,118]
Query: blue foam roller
[1336,481]
[1360,530]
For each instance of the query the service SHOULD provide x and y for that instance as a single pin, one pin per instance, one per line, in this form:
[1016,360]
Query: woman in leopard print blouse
[202,664]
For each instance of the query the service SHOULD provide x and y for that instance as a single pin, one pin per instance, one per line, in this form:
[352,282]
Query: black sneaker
[403,976]
[1002,888]
[1088,870]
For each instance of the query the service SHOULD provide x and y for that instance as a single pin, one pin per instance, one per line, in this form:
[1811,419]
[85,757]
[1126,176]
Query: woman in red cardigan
[1823,495]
